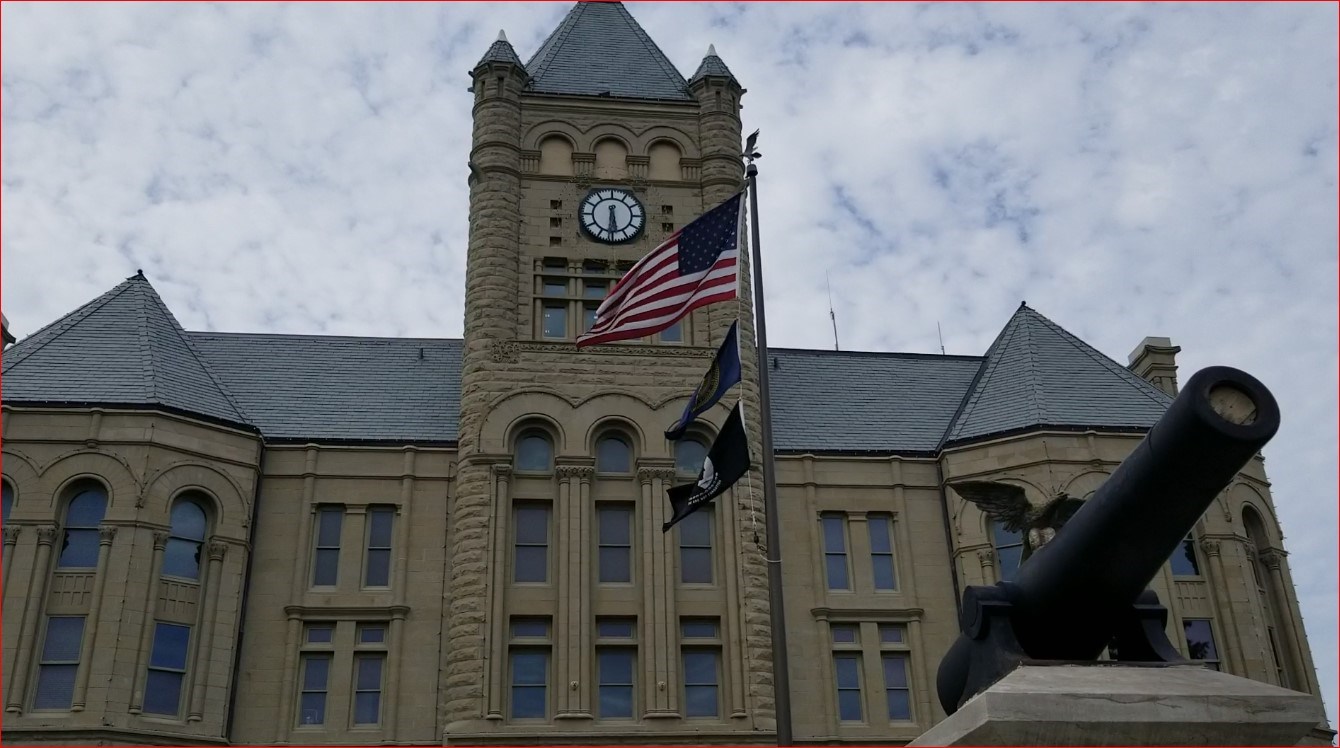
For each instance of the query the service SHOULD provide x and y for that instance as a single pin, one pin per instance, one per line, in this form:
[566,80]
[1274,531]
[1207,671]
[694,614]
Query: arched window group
[185,538]
[79,548]
[614,454]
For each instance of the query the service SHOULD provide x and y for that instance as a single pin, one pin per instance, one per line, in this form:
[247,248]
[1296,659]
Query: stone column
[11,539]
[568,618]
[986,559]
[582,514]
[1274,563]
[660,626]
[397,632]
[204,652]
[106,534]
[497,645]
[733,583]
[292,641]
[1219,584]
[147,625]
[298,585]
[37,588]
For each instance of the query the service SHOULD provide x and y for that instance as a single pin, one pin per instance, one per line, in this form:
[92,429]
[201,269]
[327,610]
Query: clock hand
[613,225]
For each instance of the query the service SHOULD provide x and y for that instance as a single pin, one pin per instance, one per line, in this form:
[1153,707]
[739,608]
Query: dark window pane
[313,709]
[700,701]
[588,317]
[367,708]
[532,563]
[188,520]
[895,671]
[1199,639]
[616,667]
[698,629]
[555,287]
[615,629]
[530,628]
[613,455]
[696,565]
[87,508]
[327,567]
[614,565]
[315,673]
[555,321]
[848,671]
[615,525]
[379,567]
[528,702]
[596,289]
[844,633]
[696,529]
[371,635]
[80,550]
[529,668]
[835,540]
[532,525]
[900,705]
[328,527]
[837,572]
[616,702]
[1009,561]
[879,535]
[534,453]
[55,687]
[849,705]
[891,633]
[689,456]
[379,528]
[162,692]
[319,634]
[369,674]
[181,558]
[674,333]
[884,579]
[65,637]
[700,667]
[170,644]
[1183,560]
[1000,536]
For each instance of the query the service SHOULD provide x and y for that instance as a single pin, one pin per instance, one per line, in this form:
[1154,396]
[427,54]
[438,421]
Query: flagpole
[781,675]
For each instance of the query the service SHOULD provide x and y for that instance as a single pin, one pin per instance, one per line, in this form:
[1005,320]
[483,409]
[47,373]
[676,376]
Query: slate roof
[712,65]
[124,347]
[599,49]
[500,51]
[828,401]
[328,388]
[1037,374]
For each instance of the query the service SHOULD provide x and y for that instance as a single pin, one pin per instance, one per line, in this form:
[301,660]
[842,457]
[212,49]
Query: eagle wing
[1000,501]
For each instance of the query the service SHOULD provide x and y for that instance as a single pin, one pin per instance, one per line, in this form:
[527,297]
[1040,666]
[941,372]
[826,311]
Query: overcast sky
[1129,170]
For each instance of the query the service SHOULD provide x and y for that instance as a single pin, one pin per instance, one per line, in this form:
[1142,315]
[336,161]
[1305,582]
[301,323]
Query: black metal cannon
[1085,590]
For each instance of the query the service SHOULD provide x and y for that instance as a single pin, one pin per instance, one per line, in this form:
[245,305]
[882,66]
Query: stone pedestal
[1118,704]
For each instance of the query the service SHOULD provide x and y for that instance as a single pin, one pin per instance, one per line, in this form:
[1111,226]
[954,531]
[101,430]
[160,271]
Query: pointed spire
[712,65]
[600,50]
[500,51]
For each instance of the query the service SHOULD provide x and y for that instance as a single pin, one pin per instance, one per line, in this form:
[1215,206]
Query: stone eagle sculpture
[1007,504]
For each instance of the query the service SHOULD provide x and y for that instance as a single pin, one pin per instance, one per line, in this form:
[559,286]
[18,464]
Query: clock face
[612,215]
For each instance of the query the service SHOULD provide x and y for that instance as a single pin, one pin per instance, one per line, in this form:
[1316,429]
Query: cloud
[1127,169]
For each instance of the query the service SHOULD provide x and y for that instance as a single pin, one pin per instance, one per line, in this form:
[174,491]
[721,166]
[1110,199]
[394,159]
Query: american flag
[693,267]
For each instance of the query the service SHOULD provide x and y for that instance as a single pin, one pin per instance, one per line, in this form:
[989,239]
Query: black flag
[727,460]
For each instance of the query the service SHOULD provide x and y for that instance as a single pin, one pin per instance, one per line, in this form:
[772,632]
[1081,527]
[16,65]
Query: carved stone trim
[575,471]
[986,557]
[509,351]
[505,352]
[502,469]
[46,534]
[217,550]
[12,534]
[105,534]
[160,540]
[646,475]
[1273,558]
[1210,547]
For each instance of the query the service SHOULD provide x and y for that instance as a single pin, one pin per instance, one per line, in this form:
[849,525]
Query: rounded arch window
[614,455]
[82,516]
[6,500]
[186,536]
[1009,550]
[689,456]
[534,452]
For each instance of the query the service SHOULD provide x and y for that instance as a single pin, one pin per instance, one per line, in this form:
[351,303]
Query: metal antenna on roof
[942,337]
[831,314]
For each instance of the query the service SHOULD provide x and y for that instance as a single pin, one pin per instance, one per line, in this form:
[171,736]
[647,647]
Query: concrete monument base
[1123,704]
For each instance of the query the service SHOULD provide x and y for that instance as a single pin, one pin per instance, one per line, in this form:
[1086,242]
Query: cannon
[1086,589]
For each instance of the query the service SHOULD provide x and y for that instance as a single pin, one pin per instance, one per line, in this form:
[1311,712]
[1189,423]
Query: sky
[1127,169]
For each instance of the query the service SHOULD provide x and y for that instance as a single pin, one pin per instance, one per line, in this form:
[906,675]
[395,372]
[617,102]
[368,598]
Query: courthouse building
[292,539]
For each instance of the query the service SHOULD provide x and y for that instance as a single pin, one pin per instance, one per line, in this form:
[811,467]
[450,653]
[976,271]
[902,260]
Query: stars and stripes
[694,266]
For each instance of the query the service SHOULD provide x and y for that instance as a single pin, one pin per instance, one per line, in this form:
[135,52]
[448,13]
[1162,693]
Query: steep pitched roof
[599,49]
[712,65]
[122,348]
[1037,374]
[865,402]
[500,51]
[321,387]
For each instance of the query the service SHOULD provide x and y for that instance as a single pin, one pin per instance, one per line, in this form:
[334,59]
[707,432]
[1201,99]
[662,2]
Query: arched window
[1272,600]
[534,452]
[613,455]
[689,457]
[663,161]
[611,159]
[6,501]
[556,156]
[82,517]
[182,558]
[1009,550]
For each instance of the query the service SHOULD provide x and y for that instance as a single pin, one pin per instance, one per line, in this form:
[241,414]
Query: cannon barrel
[1067,598]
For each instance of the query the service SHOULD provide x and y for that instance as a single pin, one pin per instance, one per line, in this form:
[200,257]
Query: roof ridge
[555,37]
[1035,397]
[147,362]
[184,337]
[990,362]
[658,55]
[1143,385]
[34,342]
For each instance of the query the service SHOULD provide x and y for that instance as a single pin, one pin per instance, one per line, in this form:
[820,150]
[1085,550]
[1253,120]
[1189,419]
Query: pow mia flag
[727,460]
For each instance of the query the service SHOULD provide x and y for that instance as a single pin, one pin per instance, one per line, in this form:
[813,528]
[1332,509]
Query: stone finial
[711,51]
[1155,359]
[502,36]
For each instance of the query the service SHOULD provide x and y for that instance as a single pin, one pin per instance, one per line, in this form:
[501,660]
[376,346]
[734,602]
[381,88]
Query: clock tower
[572,616]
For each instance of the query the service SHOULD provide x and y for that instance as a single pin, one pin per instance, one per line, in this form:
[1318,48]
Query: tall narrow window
[847,670]
[532,543]
[1183,561]
[689,456]
[616,660]
[695,548]
[674,333]
[555,320]
[613,455]
[82,517]
[589,310]
[895,658]
[616,542]
[187,535]
[835,551]
[326,568]
[6,501]
[530,668]
[1009,550]
[701,640]
[881,551]
[369,667]
[378,571]
[59,664]
[167,669]
[534,453]
[1200,641]
[314,673]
